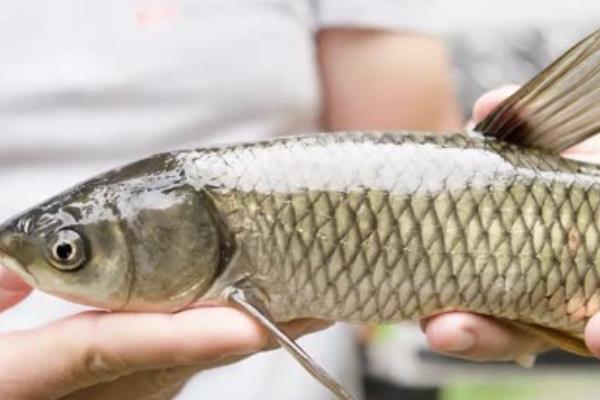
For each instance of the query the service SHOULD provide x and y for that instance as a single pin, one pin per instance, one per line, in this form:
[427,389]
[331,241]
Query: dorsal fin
[558,108]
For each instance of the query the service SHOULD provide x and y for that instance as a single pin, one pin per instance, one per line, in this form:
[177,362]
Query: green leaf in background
[560,388]
[488,391]
[384,332]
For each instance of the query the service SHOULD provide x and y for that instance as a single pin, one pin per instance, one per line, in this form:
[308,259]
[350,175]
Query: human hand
[102,355]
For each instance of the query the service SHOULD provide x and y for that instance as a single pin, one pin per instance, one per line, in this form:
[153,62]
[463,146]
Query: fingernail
[526,360]
[463,341]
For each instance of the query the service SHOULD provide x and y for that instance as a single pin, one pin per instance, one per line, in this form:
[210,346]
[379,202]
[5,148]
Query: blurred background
[86,87]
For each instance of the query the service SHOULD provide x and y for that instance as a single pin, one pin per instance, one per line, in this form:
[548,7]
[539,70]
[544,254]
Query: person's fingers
[298,328]
[96,346]
[592,335]
[490,100]
[158,384]
[476,337]
[165,383]
[12,289]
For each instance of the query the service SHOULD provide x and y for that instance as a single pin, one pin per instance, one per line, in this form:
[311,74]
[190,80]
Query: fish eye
[66,250]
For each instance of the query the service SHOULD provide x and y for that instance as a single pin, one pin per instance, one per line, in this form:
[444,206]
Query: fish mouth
[11,263]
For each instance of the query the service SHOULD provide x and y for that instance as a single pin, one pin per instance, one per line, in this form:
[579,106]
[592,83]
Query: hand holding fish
[97,355]
[476,337]
[473,336]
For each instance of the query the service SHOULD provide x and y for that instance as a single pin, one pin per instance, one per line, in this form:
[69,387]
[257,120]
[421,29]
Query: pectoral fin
[564,340]
[558,108]
[255,307]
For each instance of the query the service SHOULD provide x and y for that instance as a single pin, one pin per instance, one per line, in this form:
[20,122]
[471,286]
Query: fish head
[55,250]
[137,238]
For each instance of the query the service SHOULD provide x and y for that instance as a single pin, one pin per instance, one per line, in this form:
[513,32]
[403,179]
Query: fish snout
[7,233]
[9,238]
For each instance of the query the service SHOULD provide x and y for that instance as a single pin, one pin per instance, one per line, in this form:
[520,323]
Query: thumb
[490,100]
[12,289]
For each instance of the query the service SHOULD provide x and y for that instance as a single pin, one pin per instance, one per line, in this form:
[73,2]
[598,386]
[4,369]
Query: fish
[362,227]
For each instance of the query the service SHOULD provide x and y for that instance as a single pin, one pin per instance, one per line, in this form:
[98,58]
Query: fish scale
[480,225]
